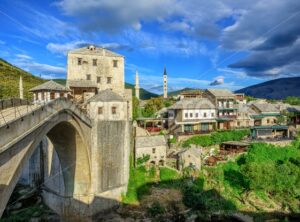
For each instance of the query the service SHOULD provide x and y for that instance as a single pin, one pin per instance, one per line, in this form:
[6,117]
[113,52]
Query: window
[268,121]
[191,115]
[274,121]
[153,150]
[212,114]
[113,110]
[197,114]
[108,80]
[88,77]
[115,63]
[238,123]
[94,62]
[79,61]
[204,114]
[98,79]
[100,110]
[186,115]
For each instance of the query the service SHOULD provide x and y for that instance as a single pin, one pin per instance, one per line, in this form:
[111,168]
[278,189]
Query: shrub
[155,209]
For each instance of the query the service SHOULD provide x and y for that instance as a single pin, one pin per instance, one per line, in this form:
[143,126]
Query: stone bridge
[70,130]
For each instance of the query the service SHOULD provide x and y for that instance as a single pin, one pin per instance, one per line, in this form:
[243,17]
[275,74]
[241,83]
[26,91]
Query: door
[204,126]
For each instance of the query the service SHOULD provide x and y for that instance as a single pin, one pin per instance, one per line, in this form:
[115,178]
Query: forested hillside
[9,81]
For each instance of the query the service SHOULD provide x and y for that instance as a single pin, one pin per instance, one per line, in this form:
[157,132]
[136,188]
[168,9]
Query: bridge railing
[13,102]
[18,127]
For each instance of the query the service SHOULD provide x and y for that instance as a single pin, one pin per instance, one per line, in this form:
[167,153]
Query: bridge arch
[69,136]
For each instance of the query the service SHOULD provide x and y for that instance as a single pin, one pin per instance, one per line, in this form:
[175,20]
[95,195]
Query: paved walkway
[12,113]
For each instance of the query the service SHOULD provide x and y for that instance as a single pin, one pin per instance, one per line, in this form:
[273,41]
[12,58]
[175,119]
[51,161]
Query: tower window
[100,110]
[88,77]
[79,61]
[98,79]
[153,150]
[115,63]
[94,62]
[108,80]
[114,110]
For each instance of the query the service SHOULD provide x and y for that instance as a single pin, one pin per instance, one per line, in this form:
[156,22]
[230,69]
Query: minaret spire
[165,84]
[21,89]
[137,85]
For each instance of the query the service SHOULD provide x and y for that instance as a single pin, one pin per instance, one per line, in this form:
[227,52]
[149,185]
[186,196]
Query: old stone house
[49,91]
[189,157]
[190,116]
[93,69]
[154,146]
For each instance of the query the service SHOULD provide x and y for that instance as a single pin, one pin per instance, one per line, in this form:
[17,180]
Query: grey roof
[150,141]
[221,92]
[193,150]
[50,85]
[106,96]
[100,51]
[266,107]
[243,108]
[193,103]
[81,83]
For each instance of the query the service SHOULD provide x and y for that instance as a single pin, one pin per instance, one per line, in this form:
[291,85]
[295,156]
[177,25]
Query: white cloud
[23,56]
[219,80]
[64,47]
[27,63]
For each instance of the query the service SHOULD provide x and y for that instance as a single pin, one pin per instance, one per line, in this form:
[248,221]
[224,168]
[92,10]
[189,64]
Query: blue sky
[203,44]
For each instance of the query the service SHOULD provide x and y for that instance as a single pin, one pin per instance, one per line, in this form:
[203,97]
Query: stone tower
[137,85]
[21,89]
[165,84]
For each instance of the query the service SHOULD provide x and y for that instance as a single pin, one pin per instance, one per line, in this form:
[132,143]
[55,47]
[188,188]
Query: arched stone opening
[73,157]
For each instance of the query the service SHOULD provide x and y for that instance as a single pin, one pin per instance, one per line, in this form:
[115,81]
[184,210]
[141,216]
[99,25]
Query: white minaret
[165,84]
[21,89]
[137,85]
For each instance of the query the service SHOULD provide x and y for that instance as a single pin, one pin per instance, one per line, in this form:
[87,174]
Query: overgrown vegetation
[9,84]
[267,177]
[141,179]
[216,138]
[292,100]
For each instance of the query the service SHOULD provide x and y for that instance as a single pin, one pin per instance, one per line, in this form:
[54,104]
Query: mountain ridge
[274,89]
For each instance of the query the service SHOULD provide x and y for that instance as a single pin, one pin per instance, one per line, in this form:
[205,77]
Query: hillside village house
[154,146]
[266,122]
[240,98]
[49,91]
[194,115]
[224,101]
[243,118]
